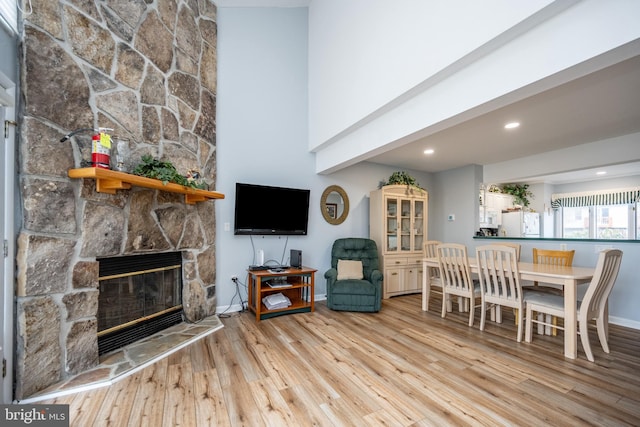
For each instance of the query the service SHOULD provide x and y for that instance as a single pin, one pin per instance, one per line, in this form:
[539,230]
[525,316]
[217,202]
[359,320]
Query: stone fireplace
[147,70]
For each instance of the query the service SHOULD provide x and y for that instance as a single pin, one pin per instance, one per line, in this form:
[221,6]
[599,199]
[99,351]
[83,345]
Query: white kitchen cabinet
[499,201]
[496,203]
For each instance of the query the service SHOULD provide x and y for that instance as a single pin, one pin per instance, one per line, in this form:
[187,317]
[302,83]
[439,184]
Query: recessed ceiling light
[601,173]
[429,151]
[512,125]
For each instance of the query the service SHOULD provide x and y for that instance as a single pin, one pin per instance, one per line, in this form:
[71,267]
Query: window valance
[619,196]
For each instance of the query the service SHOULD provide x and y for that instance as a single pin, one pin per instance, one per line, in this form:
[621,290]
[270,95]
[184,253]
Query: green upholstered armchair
[354,294]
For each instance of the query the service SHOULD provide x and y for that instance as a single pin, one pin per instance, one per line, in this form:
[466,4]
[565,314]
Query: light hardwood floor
[399,367]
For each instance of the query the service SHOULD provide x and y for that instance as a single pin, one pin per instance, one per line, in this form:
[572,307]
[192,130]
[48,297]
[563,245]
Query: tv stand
[298,284]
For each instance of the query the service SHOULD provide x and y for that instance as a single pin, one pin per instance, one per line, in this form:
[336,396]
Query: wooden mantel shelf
[108,181]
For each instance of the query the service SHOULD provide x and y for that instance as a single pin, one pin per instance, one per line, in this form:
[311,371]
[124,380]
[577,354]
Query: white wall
[455,193]
[261,126]
[262,139]
[355,45]
[371,92]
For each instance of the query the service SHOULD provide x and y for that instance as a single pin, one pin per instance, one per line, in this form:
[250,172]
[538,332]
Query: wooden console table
[297,284]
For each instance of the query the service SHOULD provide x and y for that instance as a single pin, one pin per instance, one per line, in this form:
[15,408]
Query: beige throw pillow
[348,269]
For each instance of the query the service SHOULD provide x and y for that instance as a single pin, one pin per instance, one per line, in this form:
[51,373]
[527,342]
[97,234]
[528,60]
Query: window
[612,222]
[601,222]
[575,223]
[610,214]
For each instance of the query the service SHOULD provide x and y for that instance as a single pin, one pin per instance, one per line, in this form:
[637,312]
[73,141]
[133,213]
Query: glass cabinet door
[404,224]
[392,224]
[418,225]
[405,229]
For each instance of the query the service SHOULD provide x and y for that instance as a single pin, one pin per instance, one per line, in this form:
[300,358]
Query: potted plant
[166,172]
[520,192]
[402,178]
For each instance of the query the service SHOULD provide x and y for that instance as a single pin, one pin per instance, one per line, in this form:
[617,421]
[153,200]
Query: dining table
[567,277]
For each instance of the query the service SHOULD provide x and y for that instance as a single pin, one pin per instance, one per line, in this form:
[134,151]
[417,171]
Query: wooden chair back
[455,276]
[453,263]
[595,299]
[500,281]
[430,251]
[430,248]
[553,257]
[593,305]
[516,246]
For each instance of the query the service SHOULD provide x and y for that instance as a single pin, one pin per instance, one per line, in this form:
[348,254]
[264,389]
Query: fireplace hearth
[139,296]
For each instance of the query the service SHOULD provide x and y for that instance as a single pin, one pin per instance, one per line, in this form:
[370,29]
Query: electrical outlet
[234,278]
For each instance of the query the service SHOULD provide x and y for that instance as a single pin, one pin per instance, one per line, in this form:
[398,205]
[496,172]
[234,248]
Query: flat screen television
[265,210]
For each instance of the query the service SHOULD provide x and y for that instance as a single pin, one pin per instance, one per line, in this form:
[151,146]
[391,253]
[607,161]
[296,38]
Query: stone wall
[146,69]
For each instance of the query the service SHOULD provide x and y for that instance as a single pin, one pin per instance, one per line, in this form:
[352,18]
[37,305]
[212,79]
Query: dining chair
[455,276]
[516,246]
[430,248]
[430,251]
[593,305]
[500,282]
[551,257]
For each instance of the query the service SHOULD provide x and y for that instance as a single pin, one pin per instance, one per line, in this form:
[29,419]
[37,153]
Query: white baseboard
[222,310]
[633,324]
[620,321]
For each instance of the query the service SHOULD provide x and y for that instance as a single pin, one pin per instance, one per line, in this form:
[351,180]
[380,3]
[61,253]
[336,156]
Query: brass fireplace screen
[139,296]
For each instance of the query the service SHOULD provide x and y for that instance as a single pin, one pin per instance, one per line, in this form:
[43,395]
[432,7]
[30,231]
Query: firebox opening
[139,296]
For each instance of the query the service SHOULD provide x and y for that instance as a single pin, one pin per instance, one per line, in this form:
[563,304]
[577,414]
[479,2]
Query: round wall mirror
[334,205]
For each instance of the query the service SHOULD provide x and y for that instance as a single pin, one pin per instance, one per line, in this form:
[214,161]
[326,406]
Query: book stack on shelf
[276,301]
[279,282]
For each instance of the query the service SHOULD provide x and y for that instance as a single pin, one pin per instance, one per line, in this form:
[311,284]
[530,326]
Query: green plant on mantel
[520,192]
[163,171]
[402,178]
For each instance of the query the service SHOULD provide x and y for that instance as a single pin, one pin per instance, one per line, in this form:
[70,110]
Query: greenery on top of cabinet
[520,192]
[401,178]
